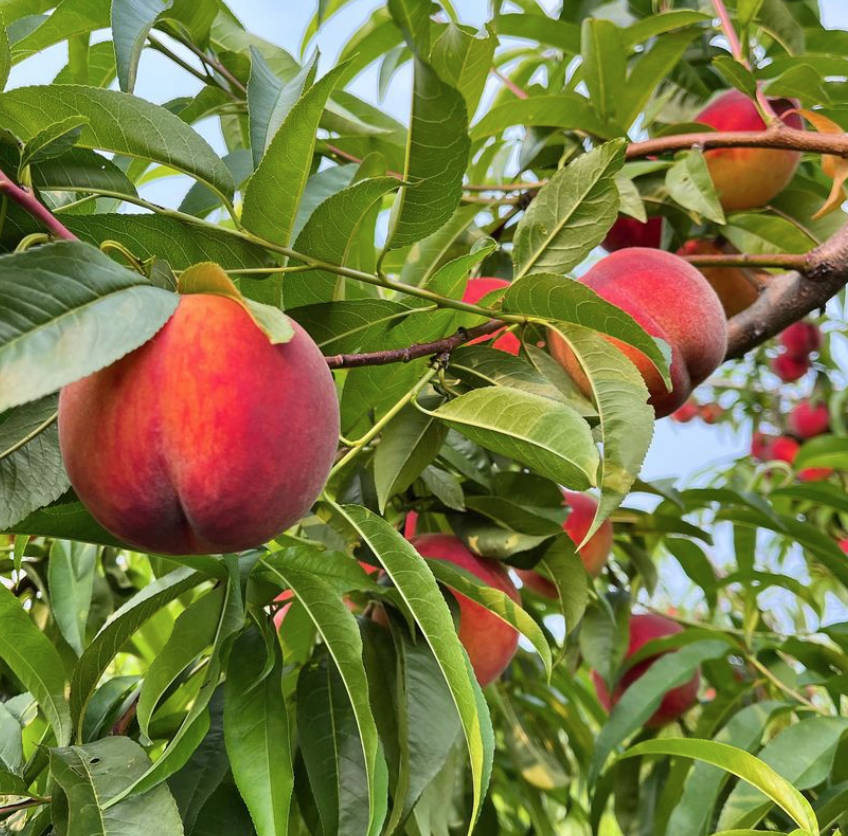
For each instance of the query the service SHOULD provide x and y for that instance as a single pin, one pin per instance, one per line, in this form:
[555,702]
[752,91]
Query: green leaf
[604,64]
[117,631]
[331,234]
[117,122]
[342,327]
[53,141]
[5,54]
[736,74]
[81,170]
[70,577]
[200,201]
[36,662]
[97,771]
[463,60]
[274,192]
[565,569]
[417,586]
[643,697]
[340,633]
[542,29]
[408,444]
[68,311]
[653,25]
[824,451]
[497,602]
[334,763]
[132,21]
[567,111]
[558,299]
[31,469]
[436,156]
[802,754]
[270,100]
[256,728]
[571,214]
[547,436]
[739,763]
[72,17]
[412,17]
[626,419]
[689,183]
[745,730]
[766,234]
[194,631]
[66,521]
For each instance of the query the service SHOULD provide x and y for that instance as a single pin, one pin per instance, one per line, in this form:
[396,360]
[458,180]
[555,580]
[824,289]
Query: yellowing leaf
[834,167]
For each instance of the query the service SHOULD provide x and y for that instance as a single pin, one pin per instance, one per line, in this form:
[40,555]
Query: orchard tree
[320,488]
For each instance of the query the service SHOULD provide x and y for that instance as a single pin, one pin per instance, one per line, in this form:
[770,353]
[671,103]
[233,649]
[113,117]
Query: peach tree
[320,489]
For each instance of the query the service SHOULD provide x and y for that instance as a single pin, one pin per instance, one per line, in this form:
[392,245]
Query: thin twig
[160,47]
[28,201]
[785,261]
[730,33]
[24,805]
[509,84]
[216,65]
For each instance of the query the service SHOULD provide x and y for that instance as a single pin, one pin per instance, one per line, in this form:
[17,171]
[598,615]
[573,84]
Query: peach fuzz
[731,284]
[748,178]
[206,439]
[677,701]
[490,642]
[475,290]
[594,554]
[629,232]
[671,300]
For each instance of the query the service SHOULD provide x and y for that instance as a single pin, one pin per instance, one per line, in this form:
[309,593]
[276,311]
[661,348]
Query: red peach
[686,413]
[594,554]
[747,178]
[490,642]
[761,446]
[789,368]
[677,701]
[629,232]
[784,449]
[843,544]
[206,439]
[711,412]
[814,474]
[801,339]
[732,285]
[809,419]
[475,290]
[671,300]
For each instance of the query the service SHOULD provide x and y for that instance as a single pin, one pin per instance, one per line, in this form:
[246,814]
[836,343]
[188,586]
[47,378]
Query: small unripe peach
[629,232]
[789,368]
[475,290]
[208,438]
[490,642]
[747,178]
[671,300]
[594,554]
[801,339]
[677,701]
[807,419]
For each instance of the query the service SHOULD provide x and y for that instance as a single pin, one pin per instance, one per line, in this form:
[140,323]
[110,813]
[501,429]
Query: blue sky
[677,451]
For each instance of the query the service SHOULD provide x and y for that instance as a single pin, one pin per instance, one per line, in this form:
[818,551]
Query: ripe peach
[677,701]
[809,419]
[670,299]
[628,232]
[689,411]
[761,446]
[843,544]
[594,554]
[490,642]
[732,285]
[747,178]
[789,368]
[801,339]
[784,449]
[711,413]
[475,290]
[814,474]
[206,439]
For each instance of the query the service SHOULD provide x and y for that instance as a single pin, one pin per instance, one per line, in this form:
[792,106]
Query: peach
[686,413]
[677,701]
[594,554]
[734,288]
[801,339]
[670,299]
[206,439]
[711,413]
[784,449]
[490,642]
[843,544]
[475,290]
[761,446]
[790,368]
[628,232]
[809,419]
[748,178]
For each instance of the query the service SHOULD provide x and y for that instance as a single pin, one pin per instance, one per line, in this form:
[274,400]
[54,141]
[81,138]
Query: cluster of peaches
[210,439]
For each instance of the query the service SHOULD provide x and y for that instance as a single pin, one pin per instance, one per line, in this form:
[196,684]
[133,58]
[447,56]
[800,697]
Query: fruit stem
[360,443]
[730,33]
[28,202]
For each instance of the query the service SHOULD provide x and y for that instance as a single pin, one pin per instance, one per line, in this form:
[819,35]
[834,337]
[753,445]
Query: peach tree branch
[30,203]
